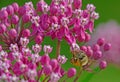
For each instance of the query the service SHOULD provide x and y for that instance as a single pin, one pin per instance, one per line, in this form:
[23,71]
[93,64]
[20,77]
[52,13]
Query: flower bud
[14,19]
[77,4]
[107,46]
[89,52]
[81,38]
[12,33]
[96,47]
[45,59]
[38,39]
[47,69]
[62,72]
[15,7]
[25,18]
[100,41]
[97,55]
[2,28]
[83,48]
[10,10]
[22,10]
[3,14]
[53,63]
[87,37]
[71,72]
[103,64]
[26,33]
[40,5]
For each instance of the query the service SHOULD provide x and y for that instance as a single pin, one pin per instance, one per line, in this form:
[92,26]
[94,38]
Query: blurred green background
[108,9]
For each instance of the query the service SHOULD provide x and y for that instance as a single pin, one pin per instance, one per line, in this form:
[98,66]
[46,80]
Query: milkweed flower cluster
[62,19]
[109,30]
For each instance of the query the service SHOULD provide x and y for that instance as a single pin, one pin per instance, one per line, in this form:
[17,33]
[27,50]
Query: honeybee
[79,59]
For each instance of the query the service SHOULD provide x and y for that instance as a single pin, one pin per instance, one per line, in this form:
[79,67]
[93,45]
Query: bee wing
[84,59]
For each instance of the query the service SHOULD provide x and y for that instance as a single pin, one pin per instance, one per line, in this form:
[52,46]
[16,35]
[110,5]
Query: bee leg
[89,70]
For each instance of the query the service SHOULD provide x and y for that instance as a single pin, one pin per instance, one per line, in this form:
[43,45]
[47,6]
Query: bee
[79,59]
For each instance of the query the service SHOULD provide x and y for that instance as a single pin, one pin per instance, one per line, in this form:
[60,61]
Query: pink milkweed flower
[62,59]
[47,49]
[61,20]
[110,32]
[54,77]
[36,48]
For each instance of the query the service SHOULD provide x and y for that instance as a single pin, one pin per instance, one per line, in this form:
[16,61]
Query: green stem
[45,79]
[90,76]
[58,49]
[77,77]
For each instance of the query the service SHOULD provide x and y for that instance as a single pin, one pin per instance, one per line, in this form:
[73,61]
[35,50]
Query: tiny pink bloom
[62,59]
[24,41]
[13,47]
[54,77]
[91,7]
[47,49]
[36,48]
[94,15]
[75,47]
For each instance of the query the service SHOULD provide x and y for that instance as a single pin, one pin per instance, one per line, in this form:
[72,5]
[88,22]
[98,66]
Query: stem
[91,75]
[77,77]
[65,80]
[58,49]
[25,77]
[45,78]
[39,75]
